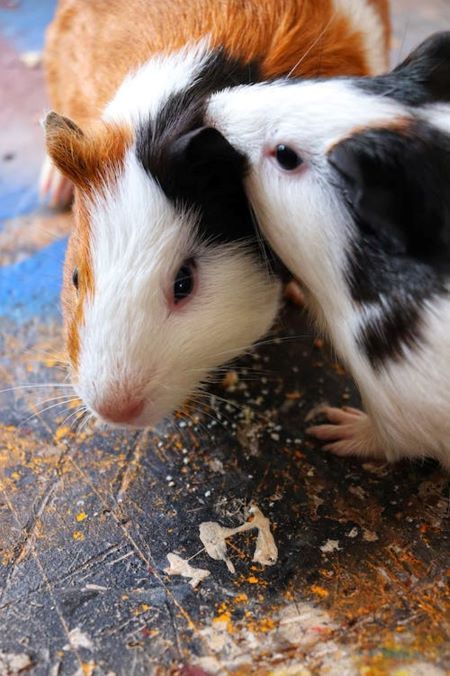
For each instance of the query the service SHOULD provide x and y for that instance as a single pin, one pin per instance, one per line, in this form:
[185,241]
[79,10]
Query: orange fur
[93,44]
[87,157]
[78,255]
[90,159]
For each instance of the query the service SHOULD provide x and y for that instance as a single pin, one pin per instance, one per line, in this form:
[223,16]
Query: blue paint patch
[17,200]
[32,287]
[24,23]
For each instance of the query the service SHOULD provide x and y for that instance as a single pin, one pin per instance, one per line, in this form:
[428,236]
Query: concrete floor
[87,519]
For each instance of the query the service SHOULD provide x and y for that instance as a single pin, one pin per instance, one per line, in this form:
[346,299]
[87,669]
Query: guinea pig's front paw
[54,188]
[350,432]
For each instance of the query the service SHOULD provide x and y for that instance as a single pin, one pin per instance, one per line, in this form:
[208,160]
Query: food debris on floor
[179,566]
[214,537]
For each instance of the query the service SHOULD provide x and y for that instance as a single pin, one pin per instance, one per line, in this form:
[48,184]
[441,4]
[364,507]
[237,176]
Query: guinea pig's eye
[75,280]
[287,158]
[184,282]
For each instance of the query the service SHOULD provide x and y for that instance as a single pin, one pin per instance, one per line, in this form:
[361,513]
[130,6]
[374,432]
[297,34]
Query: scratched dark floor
[87,517]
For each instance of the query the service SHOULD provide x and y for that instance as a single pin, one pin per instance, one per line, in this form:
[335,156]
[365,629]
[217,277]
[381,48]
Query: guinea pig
[165,277]
[349,179]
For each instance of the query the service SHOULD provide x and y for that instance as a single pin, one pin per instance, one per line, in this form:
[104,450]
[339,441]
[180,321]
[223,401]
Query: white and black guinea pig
[349,179]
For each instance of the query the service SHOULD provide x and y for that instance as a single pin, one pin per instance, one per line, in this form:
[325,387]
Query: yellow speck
[61,432]
[141,609]
[320,591]
[15,476]
[81,516]
[78,535]
[252,579]
[225,618]
[50,362]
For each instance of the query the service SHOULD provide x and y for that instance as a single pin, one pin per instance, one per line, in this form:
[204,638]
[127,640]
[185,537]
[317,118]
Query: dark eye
[184,282]
[287,158]
[75,277]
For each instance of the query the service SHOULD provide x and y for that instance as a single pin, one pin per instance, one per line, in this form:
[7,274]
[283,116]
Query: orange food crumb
[81,516]
[320,591]
[261,626]
[230,380]
[88,668]
[223,617]
[78,535]
[294,395]
[240,598]
[252,579]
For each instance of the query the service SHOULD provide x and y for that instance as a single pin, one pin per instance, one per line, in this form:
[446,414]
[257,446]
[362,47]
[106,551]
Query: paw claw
[350,431]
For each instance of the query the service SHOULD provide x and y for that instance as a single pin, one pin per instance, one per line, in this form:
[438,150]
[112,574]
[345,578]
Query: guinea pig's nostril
[120,409]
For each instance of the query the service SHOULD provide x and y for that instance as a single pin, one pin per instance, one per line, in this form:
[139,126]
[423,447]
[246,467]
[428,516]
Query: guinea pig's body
[165,278]
[349,181]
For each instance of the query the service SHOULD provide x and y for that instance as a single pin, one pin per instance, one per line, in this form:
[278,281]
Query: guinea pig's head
[164,277]
[335,162]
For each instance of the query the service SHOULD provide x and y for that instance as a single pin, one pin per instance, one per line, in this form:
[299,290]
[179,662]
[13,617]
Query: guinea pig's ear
[207,171]
[423,77]
[65,146]
[395,183]
[205,158]
[428,67]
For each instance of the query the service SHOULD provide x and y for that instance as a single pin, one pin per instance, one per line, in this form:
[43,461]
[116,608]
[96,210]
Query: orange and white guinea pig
[165,276]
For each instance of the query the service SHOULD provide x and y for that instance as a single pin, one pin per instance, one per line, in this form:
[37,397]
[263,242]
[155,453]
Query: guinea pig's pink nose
[120,409]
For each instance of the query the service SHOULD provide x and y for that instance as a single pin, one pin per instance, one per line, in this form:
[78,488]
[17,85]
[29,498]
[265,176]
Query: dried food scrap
[213,537]
[179,566]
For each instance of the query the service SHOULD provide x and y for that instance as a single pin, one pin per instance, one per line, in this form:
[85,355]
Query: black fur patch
[195,166]
[387,338]
[396,185]
[423,77]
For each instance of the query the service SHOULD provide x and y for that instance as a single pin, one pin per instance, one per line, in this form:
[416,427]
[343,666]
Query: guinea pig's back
[93,44]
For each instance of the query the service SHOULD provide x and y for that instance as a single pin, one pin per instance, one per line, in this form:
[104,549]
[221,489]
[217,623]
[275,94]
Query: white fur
[143,93]
[54,186]
[131,341]
[325,112]
[302,216]
[437,114]
[366,20]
